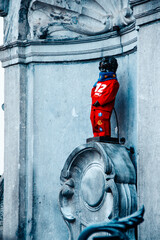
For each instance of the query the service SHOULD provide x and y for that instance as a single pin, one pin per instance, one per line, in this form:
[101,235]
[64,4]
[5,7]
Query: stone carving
[98,183]
[63,19]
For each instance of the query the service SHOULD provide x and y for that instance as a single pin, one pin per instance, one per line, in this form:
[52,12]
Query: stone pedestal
[99,184]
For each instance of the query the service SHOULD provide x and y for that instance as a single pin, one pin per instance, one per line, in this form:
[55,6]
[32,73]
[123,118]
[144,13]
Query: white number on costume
[99,88]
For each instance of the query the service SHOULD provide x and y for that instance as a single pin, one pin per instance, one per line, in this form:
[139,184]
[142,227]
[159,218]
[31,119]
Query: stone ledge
[68,51]
[137,2]
[103,139]
[113,34]
[146,11]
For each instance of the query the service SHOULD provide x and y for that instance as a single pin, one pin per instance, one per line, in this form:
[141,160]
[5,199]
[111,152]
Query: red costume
[104,92]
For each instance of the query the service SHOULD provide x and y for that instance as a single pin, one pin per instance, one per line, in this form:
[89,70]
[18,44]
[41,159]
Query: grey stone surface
[103,186]
[11,30]
[67,51]
[47,108]
[15,153]
[147,15]
[33,120]
[1,204]
[57,108]
[146,11]
[148,128]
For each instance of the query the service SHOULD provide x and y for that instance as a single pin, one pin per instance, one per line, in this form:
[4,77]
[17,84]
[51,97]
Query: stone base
[105,238]
[98,184]
[105,139]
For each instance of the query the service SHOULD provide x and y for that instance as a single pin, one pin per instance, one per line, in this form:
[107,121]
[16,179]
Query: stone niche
[98,184]
[50,45]
[51,54]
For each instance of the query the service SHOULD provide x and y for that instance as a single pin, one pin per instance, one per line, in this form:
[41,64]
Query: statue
[103,97]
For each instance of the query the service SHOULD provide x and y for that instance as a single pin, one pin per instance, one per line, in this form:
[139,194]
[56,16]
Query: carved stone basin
[98,183]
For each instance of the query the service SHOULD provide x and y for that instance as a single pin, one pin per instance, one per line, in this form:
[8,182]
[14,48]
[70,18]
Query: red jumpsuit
[104,91]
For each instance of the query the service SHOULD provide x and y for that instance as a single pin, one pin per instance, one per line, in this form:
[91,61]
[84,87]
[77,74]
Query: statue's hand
[96,104]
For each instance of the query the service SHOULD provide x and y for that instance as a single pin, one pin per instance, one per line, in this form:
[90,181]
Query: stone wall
[47,103]
[148,26]
[48,78]
[57,104]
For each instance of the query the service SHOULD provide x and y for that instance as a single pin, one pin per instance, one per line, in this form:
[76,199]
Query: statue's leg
[102,123]
[93,122]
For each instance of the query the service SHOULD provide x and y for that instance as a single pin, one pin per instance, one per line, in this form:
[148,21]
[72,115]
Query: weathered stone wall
[148,125]
[47,109]
[57,104]
[49,117]
[148,54]
[61,109]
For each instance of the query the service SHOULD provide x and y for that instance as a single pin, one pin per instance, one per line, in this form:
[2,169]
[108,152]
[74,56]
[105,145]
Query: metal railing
[117,228]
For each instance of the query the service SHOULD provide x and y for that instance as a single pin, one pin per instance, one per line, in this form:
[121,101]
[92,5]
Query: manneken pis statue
[103,97]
